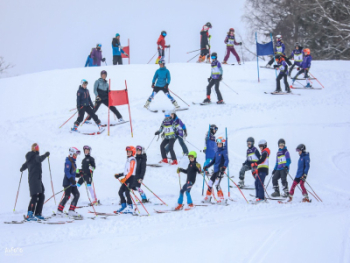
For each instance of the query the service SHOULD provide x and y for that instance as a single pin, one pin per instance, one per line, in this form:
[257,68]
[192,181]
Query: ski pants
[215,179]
[170,143]
[164,89]
[280,174]
[87,178]
[89,111]
[105,102]
[117,60]
[279,77]
[186,188]
[205,51]
[124,189]
[37,202]
[215,82]
[70,190]
[292,67]
[137,187]
[287,60]
[259,185]
[302,185]
[231,49]
[244,169]
[306,75]
[161,53]
[182,143]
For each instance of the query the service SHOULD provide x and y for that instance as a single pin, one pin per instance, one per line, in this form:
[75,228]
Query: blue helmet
[221,140]
[84,81]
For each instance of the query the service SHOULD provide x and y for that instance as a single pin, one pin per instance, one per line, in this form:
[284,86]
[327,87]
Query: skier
[88,166]
[161,46]
[36,187]
[305,67]
[89,61]
[214,79]
[101,90]
[283,73]
[117,50]
[210,146]
[297,55]
[261,168]
[170,131]
[181,133]
[191,171]
[281,169]
[230,40]
[279,50]
[253,155]
[69,184]
[303,169]
[204,43]
[84,104]
[141,162]
[220,163]
[160,82]
[96,55]
[127,181]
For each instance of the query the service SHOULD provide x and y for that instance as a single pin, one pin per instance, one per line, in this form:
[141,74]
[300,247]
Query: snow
[34,106]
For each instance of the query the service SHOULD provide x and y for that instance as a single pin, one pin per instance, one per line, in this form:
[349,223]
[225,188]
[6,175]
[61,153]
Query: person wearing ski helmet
[127,182]
[297,55]
[69,185]
[101,90]
[279,50]
[253,155]
[305,68]
[161,46]
[117,50]
[36,186]
[88,166]
[283,74]
[89,61]
[192,170]
[220,163]
[302,172]
[141,163]
[214,79]
[281,169]
[84,104]
[230,41]
[210,146]
[161,81]
[96,56]
[181,133]
[204,43]
[169,127]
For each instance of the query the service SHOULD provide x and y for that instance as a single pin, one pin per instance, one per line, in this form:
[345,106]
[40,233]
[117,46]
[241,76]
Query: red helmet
[131,149]
[306,51]
[232,29]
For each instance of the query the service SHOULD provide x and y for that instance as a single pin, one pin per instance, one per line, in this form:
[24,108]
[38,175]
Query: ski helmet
[117,35]
[208,25]
[263,143]
[297,44]
[306,51]
[301,147]
[213,127]
[231,30]
[214,55]
[84,81]
[279,37]
[163,33]
[279,58]
[131,149]
[281,141]
[141,148]
[73,151]
[161,61]
[98,45]
[167,114]
[221,140]
[87,147]
[192,153]
[251,140]
[103,72]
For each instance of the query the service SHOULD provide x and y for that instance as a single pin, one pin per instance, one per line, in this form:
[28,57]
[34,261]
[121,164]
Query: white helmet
[167,113]
[279,36]
[263,143]
[72,151]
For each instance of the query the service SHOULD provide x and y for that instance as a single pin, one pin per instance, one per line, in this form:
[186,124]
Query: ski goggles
[129,148]
[99,45]
[139,148]
[191,157]
[281,144]
[163,34]
[213,57]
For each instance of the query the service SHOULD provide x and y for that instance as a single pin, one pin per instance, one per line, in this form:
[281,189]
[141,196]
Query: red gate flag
[127,51]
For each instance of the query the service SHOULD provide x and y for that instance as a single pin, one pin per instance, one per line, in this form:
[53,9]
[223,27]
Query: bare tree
[4,66]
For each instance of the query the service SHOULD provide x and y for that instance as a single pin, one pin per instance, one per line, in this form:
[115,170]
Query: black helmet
[251,140]
[213,127]
[214,54]
[301,147]
[103,72]
[208,25]
[163,33]
[281,141]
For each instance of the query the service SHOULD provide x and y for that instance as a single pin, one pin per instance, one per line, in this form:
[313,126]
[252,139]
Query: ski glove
[72,181]
[204,150]
[303,178]
[166,86]
[286,168]
[273,172]
[185,133]
[47,154]
[123,180]
[220,77]
[126,54]
[140,181]
[118,175]
[205,167]
[98,98]
[178,170]
[209,79]
[157,133]
[152,85]
[91,168]
[222,169]
[21,169]
[240,43]
[103,60]
[253,165]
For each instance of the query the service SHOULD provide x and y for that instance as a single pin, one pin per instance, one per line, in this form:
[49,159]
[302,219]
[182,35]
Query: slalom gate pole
[316,79]
[313,191]
[228,167]
[152,57]
[19,185]
[194,50]
[57,194]
[193,57]
[205,160]
[53,191]
[70,118]
[194,146]
[151,142]
[179,98]
[169,56]
[238,188]
[229,87]
[179,180]
[302,190]
[153,193]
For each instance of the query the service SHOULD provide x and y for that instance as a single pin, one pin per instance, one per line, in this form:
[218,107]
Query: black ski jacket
[141,161]
[86,162]
[191,171]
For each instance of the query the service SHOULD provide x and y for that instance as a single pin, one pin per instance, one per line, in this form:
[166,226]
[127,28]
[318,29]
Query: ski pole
[263,185]
[73,109]
[152,57]
[53,191]
[316,79]
[305,188]
[195,50]
[313,191]
[151,142]
[212,189]
[57,194]
[19,185]
[237,188]
[242,54]
[193,57]
[131,197]
[179,180]
[153,193]
[169,56]
[87,192]
[229,87]
[269,182]
[70,117]
[194,146]
[180,98]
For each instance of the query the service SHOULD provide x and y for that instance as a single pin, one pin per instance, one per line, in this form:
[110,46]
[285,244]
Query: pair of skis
[176,109]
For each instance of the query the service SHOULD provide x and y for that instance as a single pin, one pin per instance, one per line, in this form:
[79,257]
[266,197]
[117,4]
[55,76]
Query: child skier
[305,67]
[117,50]
[161,46]
[220,163]
[160,82]
[253,155]
[230,41]
[204,43]
[181,133]
[69,184]
[215,78]
[281,169]
[303,169]
[191,171]
[283,73]
[297,55]
[279,50]
[141,162]
[170,131]
[127,181]
[210,146]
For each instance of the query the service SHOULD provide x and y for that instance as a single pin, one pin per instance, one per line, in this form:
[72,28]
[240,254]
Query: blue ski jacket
[69,171]
[210,146]
[162,76]
[220,159]
[303,165]
[89,62]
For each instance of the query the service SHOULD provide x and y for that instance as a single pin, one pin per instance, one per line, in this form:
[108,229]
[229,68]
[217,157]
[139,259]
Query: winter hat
[117,35]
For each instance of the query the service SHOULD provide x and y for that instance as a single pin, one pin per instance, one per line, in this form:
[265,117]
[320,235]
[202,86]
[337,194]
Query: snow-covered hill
[34,106]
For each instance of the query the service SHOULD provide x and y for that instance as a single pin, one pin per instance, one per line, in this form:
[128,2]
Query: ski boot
[224,63]
[239,63]
[201,59]
[208,60]
[75,215]
[165,160]
[207,101]
[221,195]
[259,201]
[40,217]
[175,104]
[75,128]
[241,183]
[30,217]
[268,65]
[276,193]
[157,60]
[147,104]
[121,120]
[277,91]
[59,213]
[288,90]
[94,203]
[220,102]
[308,86]
[285,194]
[191,205]
[290,199]
[179,207]
[121,209]
[145,201]
[207,198]
[128,210]
[87,122]
[306,200]
[174,162]
[100,128]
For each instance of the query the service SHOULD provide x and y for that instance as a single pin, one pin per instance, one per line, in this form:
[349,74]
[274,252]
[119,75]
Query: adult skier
[89,61]
[204,43]
[303,169]
[253,155]
[69,185]
[117,50]
[160,82]
[101,90]
[170,131]
[281,169]
[297,56]
[192,169]
[279,50]
[305,67]
[36,187]
[181,133]
[161,46]
[283,74]
[96,55]
[127,181]
[84,104]
[230,41]
[214,79]
[220,163]
[141,162]
[210,146]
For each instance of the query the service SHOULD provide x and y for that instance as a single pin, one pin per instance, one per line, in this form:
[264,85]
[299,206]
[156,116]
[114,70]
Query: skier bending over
[230,41]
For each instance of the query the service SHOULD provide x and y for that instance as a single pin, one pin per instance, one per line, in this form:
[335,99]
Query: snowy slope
[34,106]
